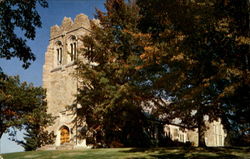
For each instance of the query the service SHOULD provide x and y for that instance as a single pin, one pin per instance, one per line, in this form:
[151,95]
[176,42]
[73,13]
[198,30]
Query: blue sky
[53,15]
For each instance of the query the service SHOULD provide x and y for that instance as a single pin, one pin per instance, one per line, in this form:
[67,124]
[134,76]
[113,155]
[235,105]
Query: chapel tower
[58,79]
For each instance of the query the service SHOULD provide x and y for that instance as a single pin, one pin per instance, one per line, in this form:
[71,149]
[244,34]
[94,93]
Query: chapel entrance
[64,135]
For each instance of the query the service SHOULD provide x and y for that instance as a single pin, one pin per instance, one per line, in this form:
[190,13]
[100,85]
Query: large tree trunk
[2,129]
[201,133]
[1,133]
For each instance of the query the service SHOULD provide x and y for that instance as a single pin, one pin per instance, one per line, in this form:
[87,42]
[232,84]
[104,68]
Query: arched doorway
[64,135]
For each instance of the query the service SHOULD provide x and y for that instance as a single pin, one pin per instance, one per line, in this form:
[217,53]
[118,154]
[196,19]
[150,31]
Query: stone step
[66,146]
[47,147]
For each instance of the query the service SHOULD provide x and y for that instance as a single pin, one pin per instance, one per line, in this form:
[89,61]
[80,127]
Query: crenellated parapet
[65,41]
[68,25]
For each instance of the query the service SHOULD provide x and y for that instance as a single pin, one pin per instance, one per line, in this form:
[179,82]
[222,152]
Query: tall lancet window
[59,54]
[73,48]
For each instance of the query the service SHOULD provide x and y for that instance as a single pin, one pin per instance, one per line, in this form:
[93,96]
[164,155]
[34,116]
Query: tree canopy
[21,16]
[205,45]
[35,126]
[19,102]
[113,88]
[193,55]
[23,106]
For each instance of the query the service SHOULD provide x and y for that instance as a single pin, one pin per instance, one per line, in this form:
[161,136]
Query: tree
[197,60]
[18,15]
[113,86]
[35,125]
[205,48]
[21,105]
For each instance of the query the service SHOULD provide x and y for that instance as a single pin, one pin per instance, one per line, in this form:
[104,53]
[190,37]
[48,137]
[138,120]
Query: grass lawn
[136,153]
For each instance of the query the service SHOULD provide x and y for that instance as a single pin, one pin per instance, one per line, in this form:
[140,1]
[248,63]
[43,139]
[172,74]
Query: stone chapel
[61,87]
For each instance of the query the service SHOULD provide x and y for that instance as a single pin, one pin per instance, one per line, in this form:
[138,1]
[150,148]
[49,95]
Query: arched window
[59,50]
[72,48]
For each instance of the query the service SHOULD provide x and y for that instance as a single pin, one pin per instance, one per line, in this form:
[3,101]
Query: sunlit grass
[136,153]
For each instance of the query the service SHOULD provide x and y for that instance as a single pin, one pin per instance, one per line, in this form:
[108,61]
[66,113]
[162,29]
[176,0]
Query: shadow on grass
[192,152]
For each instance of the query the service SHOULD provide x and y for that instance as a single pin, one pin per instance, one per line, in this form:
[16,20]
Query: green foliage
[206,50]
[22,106]
[18,15]
[36,134]
[192,54]
[112,84]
